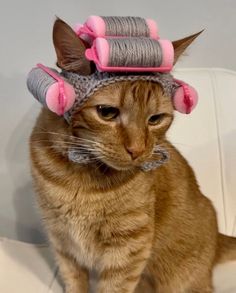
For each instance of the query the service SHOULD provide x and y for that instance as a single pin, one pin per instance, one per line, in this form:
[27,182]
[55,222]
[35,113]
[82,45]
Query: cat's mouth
[77,156]
[158,158]
[120,166]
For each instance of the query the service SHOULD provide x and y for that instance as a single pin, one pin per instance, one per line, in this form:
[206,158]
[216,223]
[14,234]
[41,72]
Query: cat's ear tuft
[70,49]
[181,45]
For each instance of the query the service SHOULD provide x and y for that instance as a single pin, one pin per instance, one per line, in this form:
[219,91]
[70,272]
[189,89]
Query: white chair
[207,138]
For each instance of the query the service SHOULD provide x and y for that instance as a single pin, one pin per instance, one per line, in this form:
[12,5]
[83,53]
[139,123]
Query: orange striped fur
[139,231]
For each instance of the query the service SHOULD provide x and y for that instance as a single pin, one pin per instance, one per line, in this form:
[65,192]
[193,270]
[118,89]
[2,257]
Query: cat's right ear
[181,45]
[70,49]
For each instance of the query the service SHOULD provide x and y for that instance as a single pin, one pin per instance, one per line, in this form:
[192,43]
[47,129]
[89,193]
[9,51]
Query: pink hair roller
[84,36]
[98,26]
[160,58]
[185,98]
[50,89]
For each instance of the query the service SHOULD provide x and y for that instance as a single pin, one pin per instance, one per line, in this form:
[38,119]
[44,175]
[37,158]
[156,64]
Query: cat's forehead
[128,93]
[96,84]
[86,86]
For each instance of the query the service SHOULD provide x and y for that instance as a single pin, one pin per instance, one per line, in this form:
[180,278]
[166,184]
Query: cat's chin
[118,167]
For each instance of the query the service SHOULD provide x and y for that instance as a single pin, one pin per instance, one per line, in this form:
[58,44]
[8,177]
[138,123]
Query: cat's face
[122,123]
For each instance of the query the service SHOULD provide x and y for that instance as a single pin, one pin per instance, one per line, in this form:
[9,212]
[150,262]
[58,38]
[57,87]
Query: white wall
[25,39]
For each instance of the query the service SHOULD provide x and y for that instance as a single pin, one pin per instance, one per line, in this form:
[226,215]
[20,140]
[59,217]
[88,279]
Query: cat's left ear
[181,45]
[70,49]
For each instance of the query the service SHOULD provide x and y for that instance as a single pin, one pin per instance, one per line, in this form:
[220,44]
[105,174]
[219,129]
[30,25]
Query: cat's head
[122,123]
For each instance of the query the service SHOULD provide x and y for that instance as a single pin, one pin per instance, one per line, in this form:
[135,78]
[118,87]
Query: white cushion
[28,268]
[207,138]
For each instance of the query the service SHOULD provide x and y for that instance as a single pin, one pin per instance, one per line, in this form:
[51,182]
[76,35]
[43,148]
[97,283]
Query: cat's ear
[70,49]
[181,45]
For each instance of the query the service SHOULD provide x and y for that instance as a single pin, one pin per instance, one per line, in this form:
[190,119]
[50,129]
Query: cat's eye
[155,119]
[107,112]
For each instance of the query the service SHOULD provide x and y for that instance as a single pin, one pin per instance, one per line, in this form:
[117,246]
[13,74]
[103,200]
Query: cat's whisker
[52,147]
[85,149]
[94,157]
[97,159]
[58,141]
[106,168]
[81,146]
[69,136]
[99,165]
[62,147]
[78,143]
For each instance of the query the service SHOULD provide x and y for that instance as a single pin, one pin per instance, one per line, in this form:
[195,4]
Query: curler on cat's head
[131,55]
[185,98]
[116,26]
[50,89]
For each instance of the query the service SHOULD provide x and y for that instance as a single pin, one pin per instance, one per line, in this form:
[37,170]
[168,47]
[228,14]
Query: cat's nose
[135,151]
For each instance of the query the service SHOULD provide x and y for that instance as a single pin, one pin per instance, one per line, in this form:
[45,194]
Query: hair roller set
[117,44]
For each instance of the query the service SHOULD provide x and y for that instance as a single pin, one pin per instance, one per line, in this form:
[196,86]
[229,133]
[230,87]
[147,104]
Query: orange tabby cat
[140,231]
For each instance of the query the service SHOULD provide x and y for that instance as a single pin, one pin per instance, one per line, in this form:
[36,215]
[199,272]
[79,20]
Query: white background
[25,39]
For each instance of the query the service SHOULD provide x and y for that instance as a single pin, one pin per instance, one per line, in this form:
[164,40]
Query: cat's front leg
[122,271]
[74,276]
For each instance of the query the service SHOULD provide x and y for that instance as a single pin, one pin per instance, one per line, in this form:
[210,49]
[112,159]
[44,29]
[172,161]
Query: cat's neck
[95,177]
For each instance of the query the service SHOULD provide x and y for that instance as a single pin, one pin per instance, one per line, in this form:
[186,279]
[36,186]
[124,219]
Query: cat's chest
[92,224]
[88,230]
[83,237]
